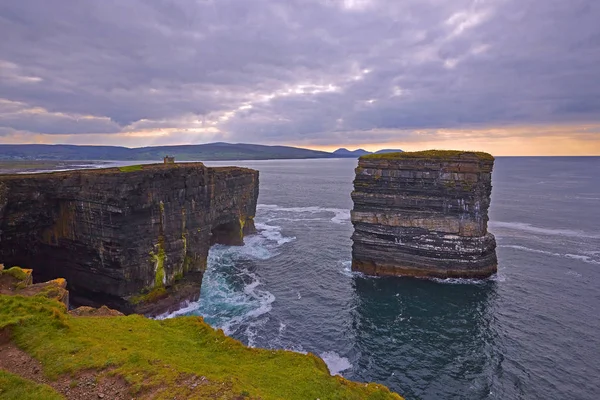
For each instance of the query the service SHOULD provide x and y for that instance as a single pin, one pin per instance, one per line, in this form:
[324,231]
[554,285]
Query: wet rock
[423,214]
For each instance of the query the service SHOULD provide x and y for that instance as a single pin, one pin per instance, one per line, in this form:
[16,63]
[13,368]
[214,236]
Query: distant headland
[196,152]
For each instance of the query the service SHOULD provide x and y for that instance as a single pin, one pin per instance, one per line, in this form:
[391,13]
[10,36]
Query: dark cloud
[301,71]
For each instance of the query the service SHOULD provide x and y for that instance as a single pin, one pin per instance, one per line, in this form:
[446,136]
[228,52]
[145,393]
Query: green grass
[158,355]
[437,154]
[130,168]
[16,272]
[13,387]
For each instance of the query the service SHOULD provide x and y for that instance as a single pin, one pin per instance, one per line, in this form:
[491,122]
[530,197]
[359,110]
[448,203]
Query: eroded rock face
[125,237]
[423,214]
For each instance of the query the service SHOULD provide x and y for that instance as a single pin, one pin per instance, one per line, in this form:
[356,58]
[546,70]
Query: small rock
[101,395]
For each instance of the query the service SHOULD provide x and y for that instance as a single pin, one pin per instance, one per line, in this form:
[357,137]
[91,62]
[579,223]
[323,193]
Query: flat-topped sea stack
[134,238]
[423,214]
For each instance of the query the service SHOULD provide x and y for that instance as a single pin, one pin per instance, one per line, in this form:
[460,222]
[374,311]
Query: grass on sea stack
[436,154]
[181,357]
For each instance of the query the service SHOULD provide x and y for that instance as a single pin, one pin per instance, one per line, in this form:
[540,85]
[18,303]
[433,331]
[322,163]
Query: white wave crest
[579,257]
[341,215]
[460,281]
[272,233]
[335,362]
[521,226]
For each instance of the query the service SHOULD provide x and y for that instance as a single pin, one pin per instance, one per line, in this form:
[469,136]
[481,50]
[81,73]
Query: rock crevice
[423,214]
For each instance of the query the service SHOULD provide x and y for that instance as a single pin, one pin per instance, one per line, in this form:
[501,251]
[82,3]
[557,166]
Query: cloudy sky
[505,76]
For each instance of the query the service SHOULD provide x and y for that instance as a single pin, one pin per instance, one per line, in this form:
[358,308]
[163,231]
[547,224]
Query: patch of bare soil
[84,385]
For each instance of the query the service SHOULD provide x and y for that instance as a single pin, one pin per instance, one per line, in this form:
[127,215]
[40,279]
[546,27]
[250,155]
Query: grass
[16,272]
[437,154]
[156,356]
[130,168]
[13,387]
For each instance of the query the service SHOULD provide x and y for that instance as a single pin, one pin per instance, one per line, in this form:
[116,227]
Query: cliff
[135,238]
[47,352]
[423,214]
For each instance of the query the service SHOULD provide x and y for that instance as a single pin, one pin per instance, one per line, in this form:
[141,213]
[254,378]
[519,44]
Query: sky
[511,77]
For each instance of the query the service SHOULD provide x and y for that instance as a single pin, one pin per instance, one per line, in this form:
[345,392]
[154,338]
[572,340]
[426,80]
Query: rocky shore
[423,214]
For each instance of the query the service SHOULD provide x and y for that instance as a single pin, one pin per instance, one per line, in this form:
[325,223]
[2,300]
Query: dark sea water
[531,332]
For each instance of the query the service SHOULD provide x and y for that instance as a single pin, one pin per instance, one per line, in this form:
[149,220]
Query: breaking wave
[232,295]
[335,362]
[340,215]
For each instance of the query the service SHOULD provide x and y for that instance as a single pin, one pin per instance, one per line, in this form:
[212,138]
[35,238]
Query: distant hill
[342,152]
[200,152]
[196,152]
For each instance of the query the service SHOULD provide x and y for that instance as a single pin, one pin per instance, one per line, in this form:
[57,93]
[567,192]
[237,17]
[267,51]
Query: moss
[131,168]
[17,273]
[178,276]
[435,154]
[154,356]
[13,387]
[242,224]
[151,296]
[159,265]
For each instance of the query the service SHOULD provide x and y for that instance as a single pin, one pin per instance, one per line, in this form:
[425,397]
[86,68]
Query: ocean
[532,331]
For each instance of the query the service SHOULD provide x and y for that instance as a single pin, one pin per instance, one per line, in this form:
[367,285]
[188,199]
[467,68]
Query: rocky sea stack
[135,238]
[423,214]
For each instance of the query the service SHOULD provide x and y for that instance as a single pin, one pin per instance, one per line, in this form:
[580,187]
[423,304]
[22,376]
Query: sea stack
[423,214]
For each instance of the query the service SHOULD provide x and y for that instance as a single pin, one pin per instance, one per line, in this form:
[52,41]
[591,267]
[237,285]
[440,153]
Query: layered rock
[133,238]
[423,214]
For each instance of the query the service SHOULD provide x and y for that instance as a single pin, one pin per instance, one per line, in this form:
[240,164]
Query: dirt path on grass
[84,385]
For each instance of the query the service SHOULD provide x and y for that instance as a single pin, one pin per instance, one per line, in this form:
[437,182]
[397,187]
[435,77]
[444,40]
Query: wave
[232,296]
[521,226]
[341,215]
[346,270]
[462,281]
[273,233]
[585,259]
[335,362]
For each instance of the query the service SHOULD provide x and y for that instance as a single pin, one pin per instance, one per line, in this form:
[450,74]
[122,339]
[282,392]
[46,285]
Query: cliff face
[134,238]
[423,214]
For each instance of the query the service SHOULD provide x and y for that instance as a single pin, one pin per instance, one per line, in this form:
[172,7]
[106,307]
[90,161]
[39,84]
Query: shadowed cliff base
[135,238]
[423,214]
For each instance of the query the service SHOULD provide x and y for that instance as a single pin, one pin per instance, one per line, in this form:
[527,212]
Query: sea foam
[335,362]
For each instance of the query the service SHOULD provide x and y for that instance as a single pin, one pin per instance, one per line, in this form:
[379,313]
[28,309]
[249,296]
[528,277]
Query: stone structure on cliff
[134,238]
[423,214]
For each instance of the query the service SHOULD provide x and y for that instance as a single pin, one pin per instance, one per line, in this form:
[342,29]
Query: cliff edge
[49,353]
[134,238]
[423,214]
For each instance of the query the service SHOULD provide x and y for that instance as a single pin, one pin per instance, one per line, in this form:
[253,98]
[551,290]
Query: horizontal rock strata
[133,238]
[423,214]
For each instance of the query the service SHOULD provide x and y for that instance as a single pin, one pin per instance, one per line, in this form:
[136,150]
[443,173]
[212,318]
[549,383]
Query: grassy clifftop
[433,154]
[180,357]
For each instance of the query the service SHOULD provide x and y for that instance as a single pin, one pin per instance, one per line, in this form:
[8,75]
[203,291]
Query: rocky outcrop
[134,238]
[423,214]
[18,281]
